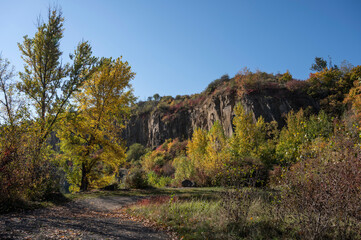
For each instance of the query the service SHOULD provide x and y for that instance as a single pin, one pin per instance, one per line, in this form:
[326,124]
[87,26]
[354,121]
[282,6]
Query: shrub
[299,133]
[286,77]
[216,83]
[135,151]
[248,214]
[248,172]
[184,169]
[323,193]
[295,85]
[158,181]
[250,82]
[136,179]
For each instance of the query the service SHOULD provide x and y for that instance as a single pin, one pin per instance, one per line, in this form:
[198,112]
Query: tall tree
[319,64]
[46,82]
[91,133]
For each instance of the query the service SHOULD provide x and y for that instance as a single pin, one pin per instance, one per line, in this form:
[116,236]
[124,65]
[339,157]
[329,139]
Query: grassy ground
[180,192]
[210,213]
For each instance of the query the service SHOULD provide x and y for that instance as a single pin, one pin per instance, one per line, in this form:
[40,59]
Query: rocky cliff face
[154,127]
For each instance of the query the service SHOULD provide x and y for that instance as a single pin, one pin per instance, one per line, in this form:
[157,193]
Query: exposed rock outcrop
[154,127]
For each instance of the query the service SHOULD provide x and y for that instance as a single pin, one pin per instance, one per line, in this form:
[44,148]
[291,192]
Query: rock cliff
[153,127]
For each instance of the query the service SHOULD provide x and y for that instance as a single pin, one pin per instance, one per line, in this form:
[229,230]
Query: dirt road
[92,218]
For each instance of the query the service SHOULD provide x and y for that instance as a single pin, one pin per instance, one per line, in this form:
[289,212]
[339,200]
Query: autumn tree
[329,87]
[299,133]
[7,94]
[286,77]
[217,154]
[13,175]
[248,135]
[45,81]
[196,151]
[91,132]
[353,98]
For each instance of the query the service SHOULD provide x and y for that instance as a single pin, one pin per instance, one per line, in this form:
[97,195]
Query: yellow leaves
[91,133]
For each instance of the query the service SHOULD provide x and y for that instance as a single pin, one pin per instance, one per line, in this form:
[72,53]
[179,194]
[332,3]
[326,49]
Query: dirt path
[93,218]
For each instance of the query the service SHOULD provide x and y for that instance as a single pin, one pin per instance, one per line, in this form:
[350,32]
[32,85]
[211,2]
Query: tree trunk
[84,178]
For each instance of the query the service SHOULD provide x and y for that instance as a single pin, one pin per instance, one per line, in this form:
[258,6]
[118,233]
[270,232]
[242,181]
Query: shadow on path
[93,218]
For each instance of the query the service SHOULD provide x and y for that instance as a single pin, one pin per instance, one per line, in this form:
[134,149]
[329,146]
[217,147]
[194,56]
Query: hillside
[267,95]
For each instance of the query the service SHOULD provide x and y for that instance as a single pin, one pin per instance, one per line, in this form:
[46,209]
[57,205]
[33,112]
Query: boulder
[187,183]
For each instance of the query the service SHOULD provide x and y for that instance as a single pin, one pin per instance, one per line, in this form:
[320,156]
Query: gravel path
[93,218]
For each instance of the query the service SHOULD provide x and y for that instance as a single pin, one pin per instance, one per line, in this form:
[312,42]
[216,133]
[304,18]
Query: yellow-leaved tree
[216,152]
[248,134]
[90,133]
[196,151]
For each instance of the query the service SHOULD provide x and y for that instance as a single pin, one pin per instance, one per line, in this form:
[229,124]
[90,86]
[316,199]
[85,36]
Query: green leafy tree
[248,134]
[13,166]
[135,152]
[299,133]
[45,81]
[329,87]
[156,97]
[90,134]
[196,151]
[319,64]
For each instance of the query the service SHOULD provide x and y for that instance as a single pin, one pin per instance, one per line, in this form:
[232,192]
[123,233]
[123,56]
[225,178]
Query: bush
[136,179]
[295,85]
[323,193]
[216,83]
[299,133]
[249,215]
[135,151]
[184,169]
[248,172]
[158,181]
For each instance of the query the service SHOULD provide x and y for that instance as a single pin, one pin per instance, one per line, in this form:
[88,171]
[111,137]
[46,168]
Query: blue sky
[179,46]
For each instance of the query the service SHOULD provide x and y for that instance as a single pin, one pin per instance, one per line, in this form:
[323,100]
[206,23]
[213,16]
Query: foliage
[135,152]
[249,172]
[21,177]
[90,134]
[216,83]
[216,154]
[249,82]
[329,87]
[184,169]
[319,64]
[286,77]
[32,107]
[299,132]
[160,160]
[45,81]
[353,98]
[136,179]
[193,219]
[297,85]
[211,216]
[252,139]
[158,181]
[322,193]
[206,154]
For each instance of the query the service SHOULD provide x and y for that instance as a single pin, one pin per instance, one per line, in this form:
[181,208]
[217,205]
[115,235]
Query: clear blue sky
[179,46]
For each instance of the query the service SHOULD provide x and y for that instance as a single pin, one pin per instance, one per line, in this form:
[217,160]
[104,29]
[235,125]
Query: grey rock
[151,130]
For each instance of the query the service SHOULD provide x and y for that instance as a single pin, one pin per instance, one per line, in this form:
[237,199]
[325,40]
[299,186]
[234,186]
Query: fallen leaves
[77,221]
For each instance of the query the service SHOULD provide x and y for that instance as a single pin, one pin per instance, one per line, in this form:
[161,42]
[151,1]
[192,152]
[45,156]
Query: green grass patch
[211,213]
[191,219]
